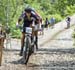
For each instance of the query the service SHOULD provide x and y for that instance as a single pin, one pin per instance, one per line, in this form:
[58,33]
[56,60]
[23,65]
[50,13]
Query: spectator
[3,34]
[46,23]
[52,22]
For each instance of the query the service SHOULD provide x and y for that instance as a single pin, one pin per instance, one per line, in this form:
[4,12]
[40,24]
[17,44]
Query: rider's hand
[17,24]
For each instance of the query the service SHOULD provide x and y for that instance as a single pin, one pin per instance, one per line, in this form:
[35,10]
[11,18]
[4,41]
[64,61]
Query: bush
[15,33]
[73,35]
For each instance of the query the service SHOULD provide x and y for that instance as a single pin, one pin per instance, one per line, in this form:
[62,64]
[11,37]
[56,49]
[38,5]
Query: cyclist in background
[68,20]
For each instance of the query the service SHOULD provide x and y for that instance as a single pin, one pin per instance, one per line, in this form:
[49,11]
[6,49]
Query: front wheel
[27,50]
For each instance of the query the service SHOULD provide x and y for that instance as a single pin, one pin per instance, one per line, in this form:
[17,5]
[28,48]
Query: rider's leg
[22,43]
[36,36]
[69,25]
[33,34]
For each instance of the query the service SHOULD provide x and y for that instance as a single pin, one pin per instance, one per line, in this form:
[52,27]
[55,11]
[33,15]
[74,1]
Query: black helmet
[28,10]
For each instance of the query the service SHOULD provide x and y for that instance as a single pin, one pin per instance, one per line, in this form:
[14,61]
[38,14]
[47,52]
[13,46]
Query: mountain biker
[27,22]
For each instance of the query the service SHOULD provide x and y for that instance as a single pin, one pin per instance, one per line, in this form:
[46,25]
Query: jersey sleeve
[21,17]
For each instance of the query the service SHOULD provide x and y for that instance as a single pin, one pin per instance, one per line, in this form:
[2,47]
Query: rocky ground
[57,54]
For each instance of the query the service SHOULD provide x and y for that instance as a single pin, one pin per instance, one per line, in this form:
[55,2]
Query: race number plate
[28,30]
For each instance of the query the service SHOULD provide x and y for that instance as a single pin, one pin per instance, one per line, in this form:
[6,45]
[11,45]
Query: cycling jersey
[27,22]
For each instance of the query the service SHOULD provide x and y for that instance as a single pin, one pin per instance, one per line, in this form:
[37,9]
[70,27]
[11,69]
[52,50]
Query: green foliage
[73,35]
[10,10]
[16,34]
